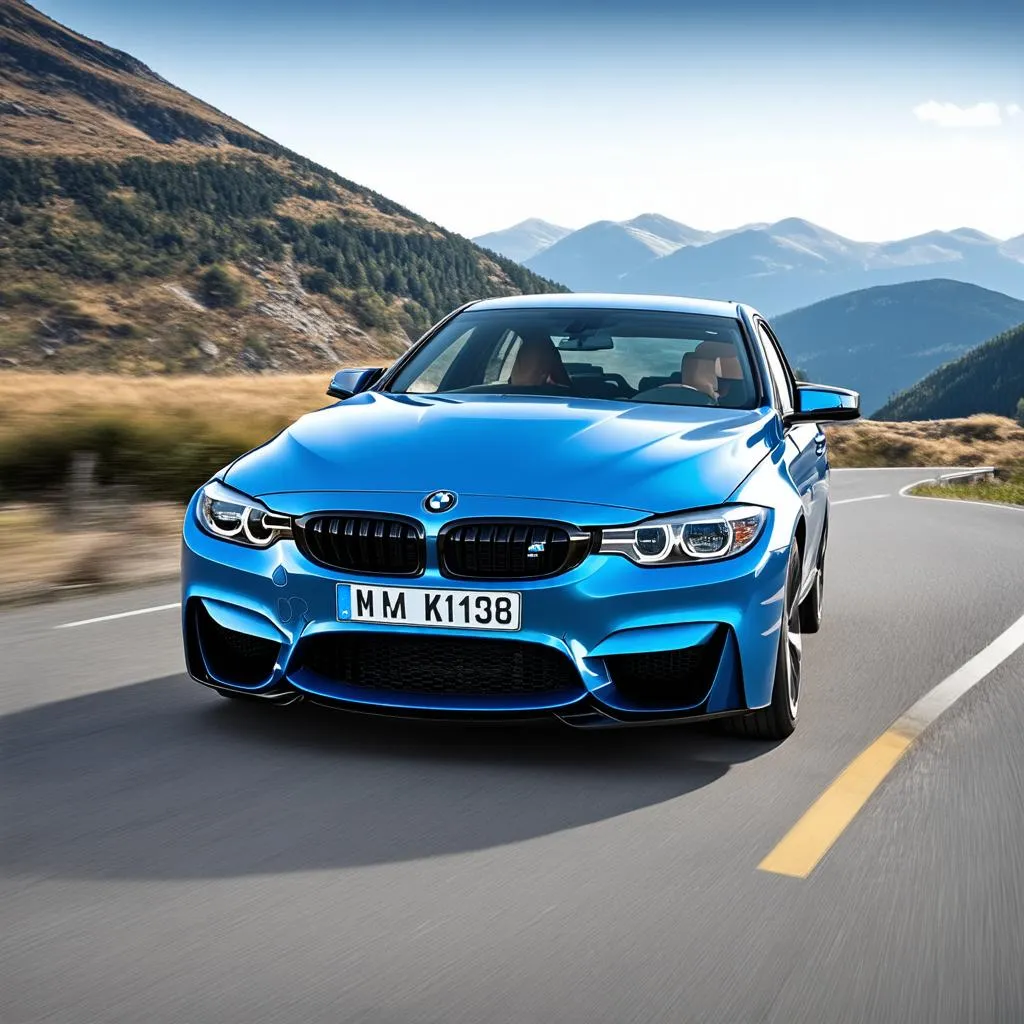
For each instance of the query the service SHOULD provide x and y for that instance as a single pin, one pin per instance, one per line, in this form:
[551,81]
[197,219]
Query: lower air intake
[438,666]
[668,679]
[233,657]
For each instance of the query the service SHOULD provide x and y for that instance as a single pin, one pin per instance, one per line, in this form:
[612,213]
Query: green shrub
[318,281]
[157,459]
[124,329]
[257,345]
[370,309]
[219,289]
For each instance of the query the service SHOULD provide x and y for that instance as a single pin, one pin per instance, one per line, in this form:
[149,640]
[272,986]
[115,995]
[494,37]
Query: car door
[806,455]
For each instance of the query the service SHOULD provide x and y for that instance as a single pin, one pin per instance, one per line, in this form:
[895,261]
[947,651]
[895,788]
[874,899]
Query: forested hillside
[989,378]
[142,230]
[882,340]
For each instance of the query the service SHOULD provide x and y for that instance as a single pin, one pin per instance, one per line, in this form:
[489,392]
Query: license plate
[418,606]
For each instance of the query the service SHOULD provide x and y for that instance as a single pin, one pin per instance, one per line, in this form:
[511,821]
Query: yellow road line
[803,846]
[825,821]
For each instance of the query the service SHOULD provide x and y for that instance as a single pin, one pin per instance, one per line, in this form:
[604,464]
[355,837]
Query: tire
[778,719]
[810,609]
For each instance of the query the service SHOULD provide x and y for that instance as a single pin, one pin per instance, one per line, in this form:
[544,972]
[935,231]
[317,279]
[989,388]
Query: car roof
[599,300]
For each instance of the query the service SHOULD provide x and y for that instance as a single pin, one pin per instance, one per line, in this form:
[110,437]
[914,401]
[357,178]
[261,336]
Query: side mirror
[346,383]
[820,403]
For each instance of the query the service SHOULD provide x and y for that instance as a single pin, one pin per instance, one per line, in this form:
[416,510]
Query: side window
[777,368]
[432,377]
[499,366]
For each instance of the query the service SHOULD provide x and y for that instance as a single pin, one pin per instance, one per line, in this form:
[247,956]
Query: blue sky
[877,119]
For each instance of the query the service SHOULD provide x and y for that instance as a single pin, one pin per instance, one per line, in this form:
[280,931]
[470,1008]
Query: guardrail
[978,473]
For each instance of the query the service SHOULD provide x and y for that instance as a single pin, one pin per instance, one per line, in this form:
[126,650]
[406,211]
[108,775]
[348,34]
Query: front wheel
[778,719]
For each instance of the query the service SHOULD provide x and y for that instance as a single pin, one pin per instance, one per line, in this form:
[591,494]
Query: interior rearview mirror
[821,403]
[595,342]
[346,383]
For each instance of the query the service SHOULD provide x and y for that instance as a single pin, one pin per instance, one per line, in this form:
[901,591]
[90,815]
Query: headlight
[231,515]
[687,537]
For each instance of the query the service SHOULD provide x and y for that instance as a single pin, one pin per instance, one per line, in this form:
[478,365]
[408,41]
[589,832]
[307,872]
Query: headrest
[715,349]
[731,369]
[536,361]
[700,373]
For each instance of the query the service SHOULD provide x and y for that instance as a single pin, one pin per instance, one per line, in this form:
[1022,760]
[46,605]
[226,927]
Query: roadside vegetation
[44,552]
[1006,489]
[981,440]
[162,436]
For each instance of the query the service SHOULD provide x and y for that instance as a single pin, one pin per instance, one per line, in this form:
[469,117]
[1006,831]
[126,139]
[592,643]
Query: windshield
[615,354]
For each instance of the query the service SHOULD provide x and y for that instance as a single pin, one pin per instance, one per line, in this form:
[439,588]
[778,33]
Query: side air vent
[232,657]
[661,679]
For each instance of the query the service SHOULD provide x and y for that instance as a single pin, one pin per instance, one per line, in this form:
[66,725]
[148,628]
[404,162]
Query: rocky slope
[142,230]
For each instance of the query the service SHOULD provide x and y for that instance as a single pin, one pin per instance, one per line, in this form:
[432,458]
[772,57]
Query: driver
[538,362]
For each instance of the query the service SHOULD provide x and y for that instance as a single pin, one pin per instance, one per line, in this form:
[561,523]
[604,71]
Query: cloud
[1013,109]
[950,115]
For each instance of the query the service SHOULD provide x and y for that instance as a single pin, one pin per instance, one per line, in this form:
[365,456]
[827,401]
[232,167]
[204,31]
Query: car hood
[649,458]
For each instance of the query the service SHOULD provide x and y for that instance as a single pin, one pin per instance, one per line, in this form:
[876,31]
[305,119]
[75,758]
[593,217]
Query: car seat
[700,374]
[537,362]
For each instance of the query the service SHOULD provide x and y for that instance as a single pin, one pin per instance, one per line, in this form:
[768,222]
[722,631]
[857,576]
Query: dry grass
[976,441]
[36,559]
[256,406]
[345,205]
[157,437]
[60,121]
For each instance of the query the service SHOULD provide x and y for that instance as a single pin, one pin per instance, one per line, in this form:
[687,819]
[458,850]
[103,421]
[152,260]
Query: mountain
[1014,247]
[794,263]
[772,267]
[142,230]
[881,340]
[776,267]
[671,230]
[523,240]
[596,257]
[989,378]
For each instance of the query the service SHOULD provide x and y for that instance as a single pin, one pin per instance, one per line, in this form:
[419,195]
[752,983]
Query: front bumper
[260,621]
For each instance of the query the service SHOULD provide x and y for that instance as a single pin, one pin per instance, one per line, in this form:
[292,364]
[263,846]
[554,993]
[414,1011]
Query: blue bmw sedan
[608,509]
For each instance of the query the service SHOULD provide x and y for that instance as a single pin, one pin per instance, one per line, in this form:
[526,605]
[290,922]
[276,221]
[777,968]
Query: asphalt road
[166,855]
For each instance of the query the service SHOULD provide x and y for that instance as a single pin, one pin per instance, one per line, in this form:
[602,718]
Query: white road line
[919,716]
[119,615]
[804,845]
[866,497]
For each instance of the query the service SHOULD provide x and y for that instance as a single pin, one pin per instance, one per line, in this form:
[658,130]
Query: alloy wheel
[793,639]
